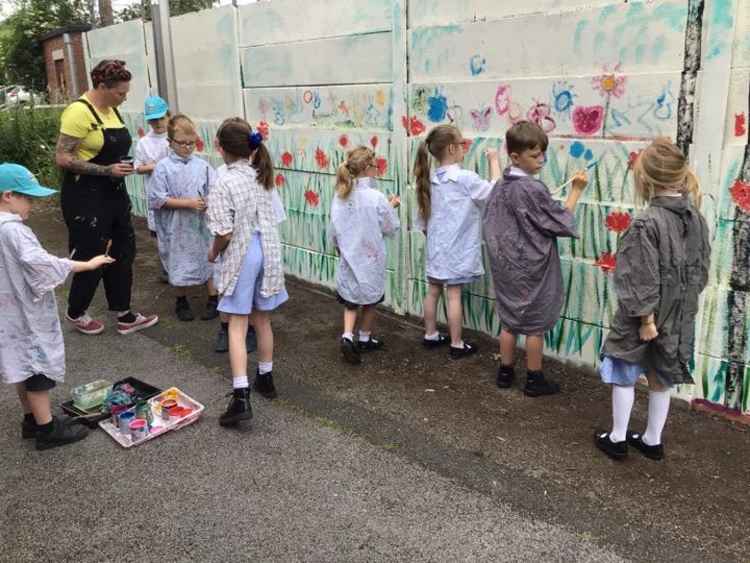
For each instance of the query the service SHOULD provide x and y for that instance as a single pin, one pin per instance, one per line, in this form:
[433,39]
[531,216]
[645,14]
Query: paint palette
[169,410]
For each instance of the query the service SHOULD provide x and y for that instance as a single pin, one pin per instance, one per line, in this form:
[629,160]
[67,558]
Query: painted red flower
[741,194]
[607,262]
[141,132]
[467,144]
[264,129]
[740,125]
[618,221]
[280,180]
[632,158]
[312,198]
[405,123]
[374,141]
[382,165]
[321,158]
[200,145]
[344,141]
[416,127]
[286,159]
[587,120]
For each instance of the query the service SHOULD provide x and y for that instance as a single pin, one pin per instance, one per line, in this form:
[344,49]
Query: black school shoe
[238,409]
[615,450]
[182,310]
[62,433]
[505,377]
[263,385]
[28,429]
[211,312]
[442,340]
[635,439]
[467,350]
[537,386]
[350,351]
[371,345]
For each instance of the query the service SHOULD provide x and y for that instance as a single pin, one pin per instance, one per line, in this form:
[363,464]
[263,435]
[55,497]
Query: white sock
[460,345]
[364,336]
[349,336]
[658,409]
[622,404]
[435,336]
[265,367]
[240,382]
[121,313]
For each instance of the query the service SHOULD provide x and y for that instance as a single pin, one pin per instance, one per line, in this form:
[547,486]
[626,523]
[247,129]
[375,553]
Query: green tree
[142,9]
[20,52]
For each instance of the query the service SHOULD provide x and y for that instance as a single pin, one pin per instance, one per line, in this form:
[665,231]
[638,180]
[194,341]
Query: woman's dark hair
[237,140]
[110,72]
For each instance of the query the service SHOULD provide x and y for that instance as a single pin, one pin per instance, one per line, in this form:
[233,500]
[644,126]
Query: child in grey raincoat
[521,225]
[661,269]
[179,189]
[451,200]
[32,356]
[361,217]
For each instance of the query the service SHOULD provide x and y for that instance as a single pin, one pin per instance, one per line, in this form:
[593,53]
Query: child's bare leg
[237,350]
[455,315]
[430,308]
[211,289]
[40,406]
[350,321]
[534,352]
[21,390]
[262,323]
[180,291]
[507,348]
[368,319]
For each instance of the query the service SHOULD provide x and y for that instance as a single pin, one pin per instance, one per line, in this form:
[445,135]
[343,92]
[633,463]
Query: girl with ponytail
[251,277]
[361,216]
[450,202]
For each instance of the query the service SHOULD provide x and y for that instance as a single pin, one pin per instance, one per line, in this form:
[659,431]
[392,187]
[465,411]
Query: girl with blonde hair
[662,267]
[361,218]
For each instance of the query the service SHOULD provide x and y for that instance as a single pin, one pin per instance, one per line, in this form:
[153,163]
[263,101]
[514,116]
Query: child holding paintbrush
[521,226]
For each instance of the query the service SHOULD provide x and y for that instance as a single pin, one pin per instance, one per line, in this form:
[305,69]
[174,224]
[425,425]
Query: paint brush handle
[109,247]
[560,188]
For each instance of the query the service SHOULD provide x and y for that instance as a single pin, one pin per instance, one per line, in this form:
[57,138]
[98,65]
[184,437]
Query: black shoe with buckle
[651,452]
[62,433]
[183,310]
[615,450]
[505,377]
[350,351]
[441,340]
[238,409]
[467,350]
[263,385]
[370,345]
[538,386]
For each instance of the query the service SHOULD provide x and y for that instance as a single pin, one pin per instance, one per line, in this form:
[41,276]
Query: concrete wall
[603,77]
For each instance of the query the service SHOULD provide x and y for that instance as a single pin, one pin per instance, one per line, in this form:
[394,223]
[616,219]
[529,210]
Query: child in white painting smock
[361,217]
[151,148]
[450,202]
[32,355]
[179,189]
[251,281]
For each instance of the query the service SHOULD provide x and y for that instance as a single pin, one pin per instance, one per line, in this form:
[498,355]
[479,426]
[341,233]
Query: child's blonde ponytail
[344,182]
[357,162]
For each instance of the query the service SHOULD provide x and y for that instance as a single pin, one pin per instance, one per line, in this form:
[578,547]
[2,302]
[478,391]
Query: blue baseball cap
[17,178]
[155,108]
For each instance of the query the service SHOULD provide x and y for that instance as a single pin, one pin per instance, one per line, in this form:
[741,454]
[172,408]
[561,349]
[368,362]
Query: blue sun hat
[18,179]
[155,108]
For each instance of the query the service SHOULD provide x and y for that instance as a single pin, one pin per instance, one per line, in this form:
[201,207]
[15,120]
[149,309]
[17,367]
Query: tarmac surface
[409,457]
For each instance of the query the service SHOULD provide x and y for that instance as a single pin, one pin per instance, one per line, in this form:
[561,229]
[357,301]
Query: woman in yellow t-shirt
[92,149]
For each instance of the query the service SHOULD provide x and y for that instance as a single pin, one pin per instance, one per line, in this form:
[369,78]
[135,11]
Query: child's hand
[212,255]
[580,181]
[491,154]
[197,203]
[394,200]
[98,261]
[648,332]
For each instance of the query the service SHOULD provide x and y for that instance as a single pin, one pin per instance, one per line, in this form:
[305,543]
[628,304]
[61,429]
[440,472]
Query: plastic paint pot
[138,429]
[115,412]
[125,419]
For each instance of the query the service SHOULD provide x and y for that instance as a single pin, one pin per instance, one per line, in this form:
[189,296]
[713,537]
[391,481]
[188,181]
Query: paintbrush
[570,181]
[109,246]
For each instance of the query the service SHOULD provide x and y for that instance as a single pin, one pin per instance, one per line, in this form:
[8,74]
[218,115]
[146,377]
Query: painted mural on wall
[602,77]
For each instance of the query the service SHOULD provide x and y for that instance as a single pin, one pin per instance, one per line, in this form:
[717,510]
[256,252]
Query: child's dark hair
[237,140]
[524,136]
[437,142]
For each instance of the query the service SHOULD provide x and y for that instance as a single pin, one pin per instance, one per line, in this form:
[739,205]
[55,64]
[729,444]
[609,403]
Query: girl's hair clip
[255,140]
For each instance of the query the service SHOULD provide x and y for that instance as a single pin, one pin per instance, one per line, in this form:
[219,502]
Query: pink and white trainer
[85,324]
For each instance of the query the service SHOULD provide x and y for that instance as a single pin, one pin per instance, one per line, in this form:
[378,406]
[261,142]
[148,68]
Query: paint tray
[92,417]
[159,425]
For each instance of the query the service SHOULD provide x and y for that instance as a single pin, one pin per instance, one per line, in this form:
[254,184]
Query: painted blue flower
[589,155]
[577,149]
[438,108]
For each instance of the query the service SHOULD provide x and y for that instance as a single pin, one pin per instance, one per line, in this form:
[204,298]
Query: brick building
[62,84]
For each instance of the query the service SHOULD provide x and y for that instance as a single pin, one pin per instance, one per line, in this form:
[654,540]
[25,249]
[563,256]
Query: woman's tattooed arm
[66,157]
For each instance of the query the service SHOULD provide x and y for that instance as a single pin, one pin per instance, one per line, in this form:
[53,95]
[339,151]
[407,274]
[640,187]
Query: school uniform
[29,324]
[359,225]
[521,225]
[182,234]
[454,229]
[151,149]
[251,273]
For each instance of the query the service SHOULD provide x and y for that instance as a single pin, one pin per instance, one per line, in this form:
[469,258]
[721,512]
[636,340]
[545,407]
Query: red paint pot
[138,429]
[169,404]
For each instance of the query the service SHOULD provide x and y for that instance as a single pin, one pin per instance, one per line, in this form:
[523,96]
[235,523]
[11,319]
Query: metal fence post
[165,74]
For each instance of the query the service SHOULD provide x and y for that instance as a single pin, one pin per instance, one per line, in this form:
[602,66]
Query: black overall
[97,209]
